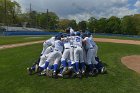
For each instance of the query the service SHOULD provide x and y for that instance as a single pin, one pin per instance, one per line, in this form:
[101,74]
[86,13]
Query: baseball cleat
[92,73]
[54,75]
[36,68]
[30,71]
[43,73]
[78,75]
[48,73]
[73,75]
[83,72]
[103,70]
[67,71]
[60,75]
[95,71]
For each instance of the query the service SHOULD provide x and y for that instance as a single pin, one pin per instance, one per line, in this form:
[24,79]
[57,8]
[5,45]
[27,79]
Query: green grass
[20,39]
[116,37]
[14,79]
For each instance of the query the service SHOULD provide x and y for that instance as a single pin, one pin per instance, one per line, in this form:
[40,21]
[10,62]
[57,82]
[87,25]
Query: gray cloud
[81,9]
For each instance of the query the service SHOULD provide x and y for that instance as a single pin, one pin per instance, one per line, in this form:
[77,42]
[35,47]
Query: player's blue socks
[46,65]
[77,66]
[69,63]
[82,65]
[55,67]
[41,68]
[73,65]
[64,63]
[50,67]
[61,70]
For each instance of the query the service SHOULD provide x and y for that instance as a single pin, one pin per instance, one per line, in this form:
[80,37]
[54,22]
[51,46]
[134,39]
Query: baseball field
[14,78]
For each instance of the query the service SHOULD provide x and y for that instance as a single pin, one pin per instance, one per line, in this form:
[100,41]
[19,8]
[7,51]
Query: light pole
[5,12]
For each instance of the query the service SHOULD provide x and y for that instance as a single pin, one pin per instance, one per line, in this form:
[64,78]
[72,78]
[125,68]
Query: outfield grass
[116,37]
[4,40]
[14,79]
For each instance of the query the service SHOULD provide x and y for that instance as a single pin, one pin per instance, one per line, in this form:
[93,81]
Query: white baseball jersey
[89,42]
[50,41]
[47,43]
[94,45]
[77,42]
[67,47]
[58,46]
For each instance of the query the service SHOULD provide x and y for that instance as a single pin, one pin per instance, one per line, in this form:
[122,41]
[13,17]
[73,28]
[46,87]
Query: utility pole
[30,18]
[47,18]
[5,12]
[14,16]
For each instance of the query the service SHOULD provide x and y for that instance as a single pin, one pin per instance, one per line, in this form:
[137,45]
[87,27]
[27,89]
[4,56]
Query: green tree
[82,25]
[113,25]
[136,18]
[48,20]
[102,25]
[92,24]
[12,11]
[73,24]
[128,25]
[65,23]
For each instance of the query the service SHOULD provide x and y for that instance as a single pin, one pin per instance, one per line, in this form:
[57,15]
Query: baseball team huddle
[71,54]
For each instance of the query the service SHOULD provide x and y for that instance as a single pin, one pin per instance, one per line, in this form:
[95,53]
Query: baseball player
[96,61]
[44,55]
[65,60]
[55,57]
[46,44]
[90,53]
[78,54]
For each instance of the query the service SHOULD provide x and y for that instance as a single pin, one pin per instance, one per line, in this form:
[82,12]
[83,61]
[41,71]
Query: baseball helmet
[78,33]
[83,35]
[58,37]
[88,34]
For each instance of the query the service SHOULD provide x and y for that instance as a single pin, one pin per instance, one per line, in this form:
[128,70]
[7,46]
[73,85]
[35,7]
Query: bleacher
[20,28]
[13,31]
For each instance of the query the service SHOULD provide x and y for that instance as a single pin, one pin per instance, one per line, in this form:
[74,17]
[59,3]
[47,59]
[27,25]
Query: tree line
[10,14]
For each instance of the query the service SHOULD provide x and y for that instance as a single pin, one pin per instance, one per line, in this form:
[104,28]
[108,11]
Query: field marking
[20,44]
[134,42]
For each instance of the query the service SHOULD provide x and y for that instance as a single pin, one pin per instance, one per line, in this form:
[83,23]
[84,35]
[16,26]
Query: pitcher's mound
[132,62]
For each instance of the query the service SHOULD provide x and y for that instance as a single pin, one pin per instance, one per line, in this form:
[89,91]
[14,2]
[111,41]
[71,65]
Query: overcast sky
[83,9]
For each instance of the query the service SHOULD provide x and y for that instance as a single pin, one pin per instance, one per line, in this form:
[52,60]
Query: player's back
[92,41]
[89,42]
[58,45]
[50,41]
[77,42]
[66,43]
